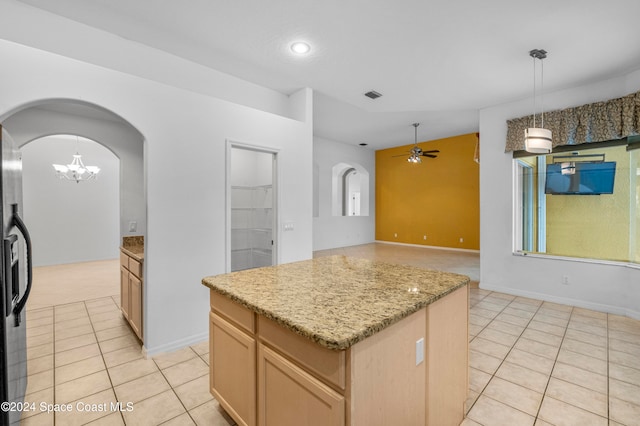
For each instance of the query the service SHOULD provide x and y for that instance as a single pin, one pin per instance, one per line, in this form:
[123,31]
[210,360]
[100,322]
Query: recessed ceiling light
[300,47]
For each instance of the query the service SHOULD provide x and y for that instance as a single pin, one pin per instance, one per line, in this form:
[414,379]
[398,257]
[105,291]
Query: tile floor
[531,362]
[84,353]
[534,362]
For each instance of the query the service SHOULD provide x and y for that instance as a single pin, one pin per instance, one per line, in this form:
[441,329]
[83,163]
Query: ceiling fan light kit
[537,140]
[416,152]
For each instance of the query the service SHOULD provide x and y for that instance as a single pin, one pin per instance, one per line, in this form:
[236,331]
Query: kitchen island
[339,341]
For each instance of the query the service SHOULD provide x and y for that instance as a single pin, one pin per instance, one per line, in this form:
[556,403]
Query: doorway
[252,207]
[77,228]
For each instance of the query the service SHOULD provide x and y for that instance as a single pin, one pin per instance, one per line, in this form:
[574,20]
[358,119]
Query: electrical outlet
[565,280]
[133,226]
[461,240]
[395,235]
[419,351]
[424,237]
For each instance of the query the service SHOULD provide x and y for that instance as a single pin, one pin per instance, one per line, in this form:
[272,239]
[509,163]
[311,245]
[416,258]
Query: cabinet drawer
[124,260]
[135,267]
[236,313]
[327,364]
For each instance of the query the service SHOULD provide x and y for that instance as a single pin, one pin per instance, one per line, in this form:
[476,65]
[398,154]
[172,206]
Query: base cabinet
[135,300]
[131,292]
[233,370]
[124,291]
[288,395]
[264,374]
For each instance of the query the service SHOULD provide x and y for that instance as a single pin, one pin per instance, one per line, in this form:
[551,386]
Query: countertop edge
[139,256]
[338,345]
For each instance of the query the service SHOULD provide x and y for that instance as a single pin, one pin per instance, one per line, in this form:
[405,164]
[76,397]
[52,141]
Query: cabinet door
[135,313]
[233,370]
[124,291]
[289,396]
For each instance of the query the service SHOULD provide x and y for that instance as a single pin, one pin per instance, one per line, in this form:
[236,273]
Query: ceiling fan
[416,152]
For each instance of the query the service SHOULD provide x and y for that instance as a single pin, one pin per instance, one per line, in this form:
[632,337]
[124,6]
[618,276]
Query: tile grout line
[113,389]
[174,391]
[544,394]
[506,355]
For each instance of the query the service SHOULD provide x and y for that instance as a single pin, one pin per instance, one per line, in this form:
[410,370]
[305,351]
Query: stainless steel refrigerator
[16,280]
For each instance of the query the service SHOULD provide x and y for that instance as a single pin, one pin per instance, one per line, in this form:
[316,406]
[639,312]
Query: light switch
[419,351]
[133,226]
[287,226]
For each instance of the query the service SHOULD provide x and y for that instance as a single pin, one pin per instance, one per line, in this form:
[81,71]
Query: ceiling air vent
[372,94]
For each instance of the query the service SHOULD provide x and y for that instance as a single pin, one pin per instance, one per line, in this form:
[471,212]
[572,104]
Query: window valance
[596,122]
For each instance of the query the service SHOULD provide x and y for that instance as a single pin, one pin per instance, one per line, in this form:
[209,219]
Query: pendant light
[537,140]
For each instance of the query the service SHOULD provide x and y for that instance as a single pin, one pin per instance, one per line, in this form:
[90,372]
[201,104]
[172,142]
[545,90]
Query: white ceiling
[435,61]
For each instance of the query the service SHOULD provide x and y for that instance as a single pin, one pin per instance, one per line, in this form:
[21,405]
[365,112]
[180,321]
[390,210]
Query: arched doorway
[62,234]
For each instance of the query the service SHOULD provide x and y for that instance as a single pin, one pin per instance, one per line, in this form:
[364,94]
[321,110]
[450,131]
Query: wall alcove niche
[350,190]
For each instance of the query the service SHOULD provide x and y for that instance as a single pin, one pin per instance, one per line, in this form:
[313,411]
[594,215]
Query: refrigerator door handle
[17,221]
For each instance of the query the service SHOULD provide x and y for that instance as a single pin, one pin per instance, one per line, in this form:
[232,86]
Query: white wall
[35,27]
[68,221]
[120,138]
[331,231]
[185,238]
[606,287]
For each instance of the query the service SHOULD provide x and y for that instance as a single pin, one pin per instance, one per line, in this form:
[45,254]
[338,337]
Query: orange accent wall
[439,198]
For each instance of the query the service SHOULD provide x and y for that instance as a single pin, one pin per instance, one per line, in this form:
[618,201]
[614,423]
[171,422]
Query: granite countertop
[134,247]
[137,252]
[336,301]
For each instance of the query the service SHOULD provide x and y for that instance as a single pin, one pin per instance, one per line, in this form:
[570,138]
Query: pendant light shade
[537,140]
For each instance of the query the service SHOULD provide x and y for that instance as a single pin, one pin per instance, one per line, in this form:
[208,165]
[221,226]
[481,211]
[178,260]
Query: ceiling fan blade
[429,155]
[433,150]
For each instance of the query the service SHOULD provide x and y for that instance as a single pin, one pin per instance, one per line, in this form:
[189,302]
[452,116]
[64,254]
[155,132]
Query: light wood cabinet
[288,395]
[233,369]
[135,304]
[264,374]
[124,291]
[131,292]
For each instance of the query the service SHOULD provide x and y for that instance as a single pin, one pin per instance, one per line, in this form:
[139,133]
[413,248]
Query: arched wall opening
[67,116]
[350,190]
[70,222]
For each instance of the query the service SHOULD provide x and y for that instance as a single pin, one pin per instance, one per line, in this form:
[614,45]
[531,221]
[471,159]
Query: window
[583,203]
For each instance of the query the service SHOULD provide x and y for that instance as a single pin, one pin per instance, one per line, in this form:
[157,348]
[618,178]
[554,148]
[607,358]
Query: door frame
[231,144]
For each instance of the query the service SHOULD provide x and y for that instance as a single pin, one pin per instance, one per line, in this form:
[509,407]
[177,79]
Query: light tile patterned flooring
[534,362]
[531,362]
[85,353]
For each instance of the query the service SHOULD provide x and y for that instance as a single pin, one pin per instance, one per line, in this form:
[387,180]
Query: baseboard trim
[175,345]
[601,307]
[428,247]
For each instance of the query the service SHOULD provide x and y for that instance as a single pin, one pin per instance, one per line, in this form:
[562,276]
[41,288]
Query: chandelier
[76,171]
